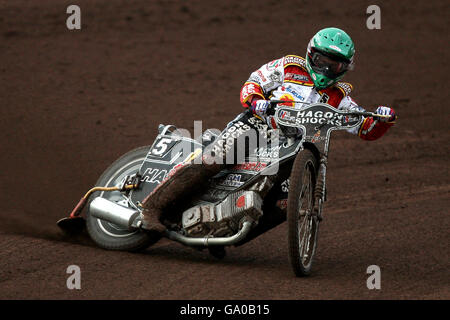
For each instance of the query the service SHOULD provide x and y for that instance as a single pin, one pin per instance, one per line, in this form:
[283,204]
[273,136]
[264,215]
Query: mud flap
[73,225]
[168,151]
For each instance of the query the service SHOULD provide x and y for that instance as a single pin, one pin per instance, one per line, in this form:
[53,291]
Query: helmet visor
[328,65]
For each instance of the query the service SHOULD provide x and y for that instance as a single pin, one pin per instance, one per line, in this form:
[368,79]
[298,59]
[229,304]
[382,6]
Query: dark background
[74,101]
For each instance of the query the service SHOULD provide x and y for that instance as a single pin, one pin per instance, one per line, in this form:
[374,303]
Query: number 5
[162,145]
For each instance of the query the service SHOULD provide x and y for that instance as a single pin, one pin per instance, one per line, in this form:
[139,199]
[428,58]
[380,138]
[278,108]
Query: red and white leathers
[287,79]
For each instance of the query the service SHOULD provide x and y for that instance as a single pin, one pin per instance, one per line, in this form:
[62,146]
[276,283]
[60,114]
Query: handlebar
[274,103]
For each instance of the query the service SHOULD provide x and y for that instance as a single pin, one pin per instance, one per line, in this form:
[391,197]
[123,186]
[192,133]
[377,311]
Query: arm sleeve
[370,129]
[262,81]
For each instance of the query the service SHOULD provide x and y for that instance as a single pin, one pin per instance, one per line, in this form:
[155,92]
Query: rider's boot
[184,180]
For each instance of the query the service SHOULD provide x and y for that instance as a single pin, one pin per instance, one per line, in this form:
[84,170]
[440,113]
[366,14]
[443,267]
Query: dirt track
[73,101]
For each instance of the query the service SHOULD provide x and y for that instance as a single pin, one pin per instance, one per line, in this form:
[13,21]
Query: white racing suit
[287,79]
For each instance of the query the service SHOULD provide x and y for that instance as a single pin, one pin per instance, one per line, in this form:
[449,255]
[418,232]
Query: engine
[223,218]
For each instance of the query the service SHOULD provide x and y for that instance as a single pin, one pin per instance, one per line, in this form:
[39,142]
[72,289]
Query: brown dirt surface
[74,101]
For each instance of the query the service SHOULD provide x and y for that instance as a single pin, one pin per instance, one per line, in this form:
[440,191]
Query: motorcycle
[283,182]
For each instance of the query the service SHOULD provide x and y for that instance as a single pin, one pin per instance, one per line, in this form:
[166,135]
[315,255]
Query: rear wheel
[108,235]
[303,225]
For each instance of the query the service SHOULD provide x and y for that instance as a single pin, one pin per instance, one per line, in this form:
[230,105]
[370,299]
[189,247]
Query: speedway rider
[329,56]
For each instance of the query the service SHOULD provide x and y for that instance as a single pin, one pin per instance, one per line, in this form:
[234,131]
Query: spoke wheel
[303,225]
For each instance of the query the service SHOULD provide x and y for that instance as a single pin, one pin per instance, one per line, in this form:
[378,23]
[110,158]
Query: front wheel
[108,235]
[303,224]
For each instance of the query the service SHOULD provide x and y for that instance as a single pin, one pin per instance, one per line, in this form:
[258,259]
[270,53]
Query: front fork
[320,191]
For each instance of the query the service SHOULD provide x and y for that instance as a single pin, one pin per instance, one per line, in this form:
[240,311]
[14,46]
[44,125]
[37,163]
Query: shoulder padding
[293,60]
[345,87]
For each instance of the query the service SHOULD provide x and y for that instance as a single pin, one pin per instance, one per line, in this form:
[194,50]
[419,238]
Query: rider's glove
[386,111]
[260,107]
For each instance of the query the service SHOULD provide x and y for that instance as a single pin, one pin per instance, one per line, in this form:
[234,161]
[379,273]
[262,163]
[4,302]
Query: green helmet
[329,56]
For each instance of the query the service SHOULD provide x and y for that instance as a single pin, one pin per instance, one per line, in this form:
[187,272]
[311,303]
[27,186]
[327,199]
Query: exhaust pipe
[104,209]
[210,241]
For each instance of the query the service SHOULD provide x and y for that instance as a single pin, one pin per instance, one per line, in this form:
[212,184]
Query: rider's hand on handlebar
[386,111]
[260,107]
